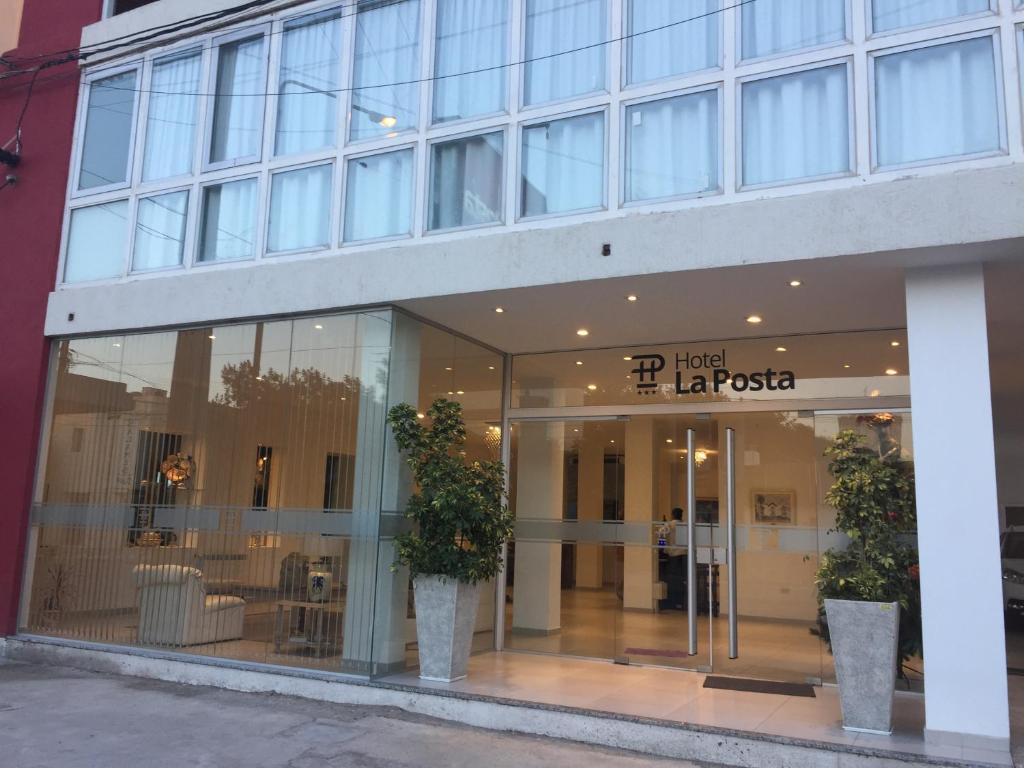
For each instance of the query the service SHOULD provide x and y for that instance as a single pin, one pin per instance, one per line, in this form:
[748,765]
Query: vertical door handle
[730,506]
[691,541]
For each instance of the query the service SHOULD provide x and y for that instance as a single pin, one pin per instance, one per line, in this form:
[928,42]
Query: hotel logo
[706,373]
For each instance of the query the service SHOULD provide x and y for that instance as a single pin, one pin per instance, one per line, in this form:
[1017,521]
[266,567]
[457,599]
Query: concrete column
[590,506]
[958,521]
[537,595]
[639,562]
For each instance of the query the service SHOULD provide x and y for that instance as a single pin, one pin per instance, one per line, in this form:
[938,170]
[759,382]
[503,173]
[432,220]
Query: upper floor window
[97,241]
[466,181]
[565,56]
[937,101]
[228,228]
[173,115]
[563,165]
[160,226]
[887,15]
[378,196]
[307,104]
[385,94]
[300,209]
[107,140]
[471,37]
[114,7]
[771,27]
[671,37]
[237,129]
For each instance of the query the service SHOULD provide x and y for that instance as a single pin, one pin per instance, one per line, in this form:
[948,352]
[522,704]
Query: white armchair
[174,608]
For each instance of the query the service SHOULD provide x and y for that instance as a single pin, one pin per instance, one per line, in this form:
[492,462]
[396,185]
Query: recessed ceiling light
[668,440]
[780,349]
[117,343]
[795,283]
[342,397]
[875,393]
[499,310]
[579,362]
[846,365]
[447,367]
[460,392]
[450,392]
[591,387]
[260,378]
[212,336]
[894,343]
[627,357]
[891,371]
[421,415]
[582,332]
[631,297]
[755,319]
[490,367]
[318,327]
[611,441]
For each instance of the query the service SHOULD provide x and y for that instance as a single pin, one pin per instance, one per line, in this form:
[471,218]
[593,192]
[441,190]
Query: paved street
[55,717]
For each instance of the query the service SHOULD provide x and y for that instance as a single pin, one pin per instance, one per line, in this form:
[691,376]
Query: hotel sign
[704,373]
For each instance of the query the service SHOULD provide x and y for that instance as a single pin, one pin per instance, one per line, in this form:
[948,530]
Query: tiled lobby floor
[679,696]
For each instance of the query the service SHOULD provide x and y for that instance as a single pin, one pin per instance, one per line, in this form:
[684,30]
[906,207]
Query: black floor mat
[759,686]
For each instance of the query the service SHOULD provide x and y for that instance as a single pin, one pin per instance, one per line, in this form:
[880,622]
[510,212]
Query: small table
[316,639]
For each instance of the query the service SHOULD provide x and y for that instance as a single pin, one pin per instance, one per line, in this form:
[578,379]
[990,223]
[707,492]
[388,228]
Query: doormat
[759,686]
[663,652]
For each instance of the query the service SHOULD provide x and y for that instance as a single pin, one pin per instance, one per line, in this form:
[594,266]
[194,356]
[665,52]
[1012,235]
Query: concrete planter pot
[445,615]
[865,644]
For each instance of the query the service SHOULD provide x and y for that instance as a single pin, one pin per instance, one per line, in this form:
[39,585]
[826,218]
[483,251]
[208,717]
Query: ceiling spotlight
[891,371]
[212,337]
[894,343]
[447,367]
[460,392]
[579,362]
[450,392]
[668,439]
[875,393]
[754,319]
[117,343]
[421,415]
[631,297]
[591,387]
[627,357]
[780,349]
[499,310]
[318,327]
[490,367]
[611,441]
[795,283]
[846,365]
[582,332]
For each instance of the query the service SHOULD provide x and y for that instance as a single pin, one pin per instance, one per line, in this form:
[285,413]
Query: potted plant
[460,525]
[869,589]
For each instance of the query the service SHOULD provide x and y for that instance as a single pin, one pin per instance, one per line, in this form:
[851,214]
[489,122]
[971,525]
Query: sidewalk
[65,718]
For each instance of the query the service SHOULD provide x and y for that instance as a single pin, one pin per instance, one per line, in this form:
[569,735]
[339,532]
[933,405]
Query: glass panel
[563,165]
[307,107]
[108,131]
[472,35]
[300,209]
[672,147]
[387,52]
[97,241]
[887,15]
[672,37]
[228,228]
[774,26]
[796,126]
[172,116]
[554,27]
[466,178]
[160,224]
[829,366]
[238,106]
[378,199]
[934,102]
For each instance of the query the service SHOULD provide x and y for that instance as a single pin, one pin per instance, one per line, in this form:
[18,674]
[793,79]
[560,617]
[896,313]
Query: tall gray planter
[865,644]
[445,615]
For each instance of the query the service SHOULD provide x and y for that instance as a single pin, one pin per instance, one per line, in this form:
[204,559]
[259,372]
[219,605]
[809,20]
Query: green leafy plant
[873,494]
[460,519]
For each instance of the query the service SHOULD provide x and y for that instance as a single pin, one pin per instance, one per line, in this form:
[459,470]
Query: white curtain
[773,26]
[171,124]
[300,209]
[307,107]
[893,14]
[471,35]
[688,42]
[378,198]
[387,53]
[160,230]
[796,126]
[97,241]
[563,165]
[238,106]
[938,101]
[553,26]
[672,146]
[108,131]
[466,182]
[229,221]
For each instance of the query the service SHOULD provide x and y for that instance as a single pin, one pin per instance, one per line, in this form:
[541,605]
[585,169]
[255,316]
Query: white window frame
[604,111]
[343,174]
[993,35]
[428,179]
[332,225]
[85,90]
[261,213]
[851,116]
[719,89]
[869,20]
[845,40]
[190,222]
[246,33]
[624,69]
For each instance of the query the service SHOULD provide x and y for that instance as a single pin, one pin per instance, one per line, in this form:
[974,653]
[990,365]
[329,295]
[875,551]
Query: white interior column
[958,521]
[590,506]
[537,591]
[639,562]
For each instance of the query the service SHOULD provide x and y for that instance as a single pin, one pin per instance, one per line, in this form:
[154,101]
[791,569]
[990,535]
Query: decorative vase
[319,586]
[445,615]
[865,645]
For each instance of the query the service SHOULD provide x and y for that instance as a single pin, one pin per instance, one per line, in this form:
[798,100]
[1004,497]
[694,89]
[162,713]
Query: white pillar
[639,566]
[590,506]
[958,521]
[537,591]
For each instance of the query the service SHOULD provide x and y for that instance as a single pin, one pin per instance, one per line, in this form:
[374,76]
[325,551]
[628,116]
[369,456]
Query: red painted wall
[30,221]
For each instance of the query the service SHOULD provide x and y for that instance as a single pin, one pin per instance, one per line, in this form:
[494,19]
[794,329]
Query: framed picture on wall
[774,507]
[707,512]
